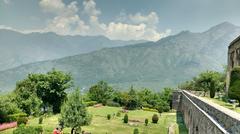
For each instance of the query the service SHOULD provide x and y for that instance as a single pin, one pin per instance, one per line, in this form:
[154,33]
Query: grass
[100,124]
[224,104]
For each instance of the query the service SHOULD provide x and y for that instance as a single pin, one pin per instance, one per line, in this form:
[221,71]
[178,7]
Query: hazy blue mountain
[17,48]
[158,64]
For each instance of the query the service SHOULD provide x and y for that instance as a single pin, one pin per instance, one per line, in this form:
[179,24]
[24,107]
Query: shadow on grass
[181,125]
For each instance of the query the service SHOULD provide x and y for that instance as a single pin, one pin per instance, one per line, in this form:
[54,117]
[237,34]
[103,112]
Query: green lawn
[100,124]
[224,104]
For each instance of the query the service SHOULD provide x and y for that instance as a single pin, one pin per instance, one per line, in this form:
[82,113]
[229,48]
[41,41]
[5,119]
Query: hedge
[149,109]
[15,117]
[90,103]
[22,129]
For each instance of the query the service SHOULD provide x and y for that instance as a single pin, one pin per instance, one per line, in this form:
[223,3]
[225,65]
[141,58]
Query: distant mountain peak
[184,32]
[225,26]
[155,65]
[226,23]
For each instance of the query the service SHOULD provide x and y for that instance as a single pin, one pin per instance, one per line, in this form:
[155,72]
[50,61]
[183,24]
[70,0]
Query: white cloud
[52,6]
[67,25]
[67,21]
[134,32]
[125,31]
[151,19]
[90,8]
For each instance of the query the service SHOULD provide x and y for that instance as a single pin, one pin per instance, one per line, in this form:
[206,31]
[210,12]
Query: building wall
[233,58]
[202,118]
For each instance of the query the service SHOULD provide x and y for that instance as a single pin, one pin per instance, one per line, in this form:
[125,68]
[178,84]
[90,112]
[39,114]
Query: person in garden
[56,131]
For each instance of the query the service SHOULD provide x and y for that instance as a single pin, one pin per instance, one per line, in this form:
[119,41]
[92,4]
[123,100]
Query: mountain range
[17,48]
[164,63]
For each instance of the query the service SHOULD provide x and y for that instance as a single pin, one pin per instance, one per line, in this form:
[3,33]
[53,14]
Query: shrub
[15,117]
[22,129]
[40,120]
[22,120]
[212,92]
[39,129]
[90,103]
[118,114]
[146,122]
[146,105]
[112,104]
[136,131]
[109,116]
[234,92]
[125,119]
[155,118]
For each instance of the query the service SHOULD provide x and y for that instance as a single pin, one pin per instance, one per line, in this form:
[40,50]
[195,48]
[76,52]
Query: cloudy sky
[117,19]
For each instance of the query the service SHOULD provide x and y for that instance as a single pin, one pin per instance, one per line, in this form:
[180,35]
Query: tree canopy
[73,112]
[43,89]
[101,92]
[211,81]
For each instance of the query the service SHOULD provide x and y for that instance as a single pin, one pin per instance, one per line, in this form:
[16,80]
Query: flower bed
[8,125]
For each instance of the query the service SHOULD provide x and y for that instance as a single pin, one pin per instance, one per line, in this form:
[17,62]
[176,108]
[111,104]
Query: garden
[115,125]
[43,103]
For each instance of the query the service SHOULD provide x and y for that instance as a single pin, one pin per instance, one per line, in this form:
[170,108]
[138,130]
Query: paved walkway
[171,129]
[231,113]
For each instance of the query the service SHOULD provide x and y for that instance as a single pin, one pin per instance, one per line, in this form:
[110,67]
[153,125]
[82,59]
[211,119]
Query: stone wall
[233,58]
[226,119]
[202,118]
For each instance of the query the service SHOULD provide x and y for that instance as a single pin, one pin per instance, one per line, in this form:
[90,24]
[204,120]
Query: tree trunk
[72,131]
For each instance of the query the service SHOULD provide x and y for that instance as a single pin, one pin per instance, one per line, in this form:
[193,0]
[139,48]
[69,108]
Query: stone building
[233,57]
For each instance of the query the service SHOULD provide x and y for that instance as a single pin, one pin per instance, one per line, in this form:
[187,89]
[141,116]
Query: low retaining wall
[228,119]
[197,120]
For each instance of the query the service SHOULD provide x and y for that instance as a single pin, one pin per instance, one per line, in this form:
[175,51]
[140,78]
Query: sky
[117,19]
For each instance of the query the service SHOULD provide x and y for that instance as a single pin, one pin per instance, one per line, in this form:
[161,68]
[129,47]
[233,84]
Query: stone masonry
[202,117]
[233,57]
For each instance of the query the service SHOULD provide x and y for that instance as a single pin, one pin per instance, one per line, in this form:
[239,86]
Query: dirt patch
[98,105]
[135,121]
[171,129]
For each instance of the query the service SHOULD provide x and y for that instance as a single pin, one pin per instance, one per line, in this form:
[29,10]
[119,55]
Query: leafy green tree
[209,81]
[166,96]
[189,85]
[26,97]
[234,87]
[145,98]
[74,113]
[101,92]
[47,89]
[132,102]
[121,97]
[51,88]
[162,106]
[7,107]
